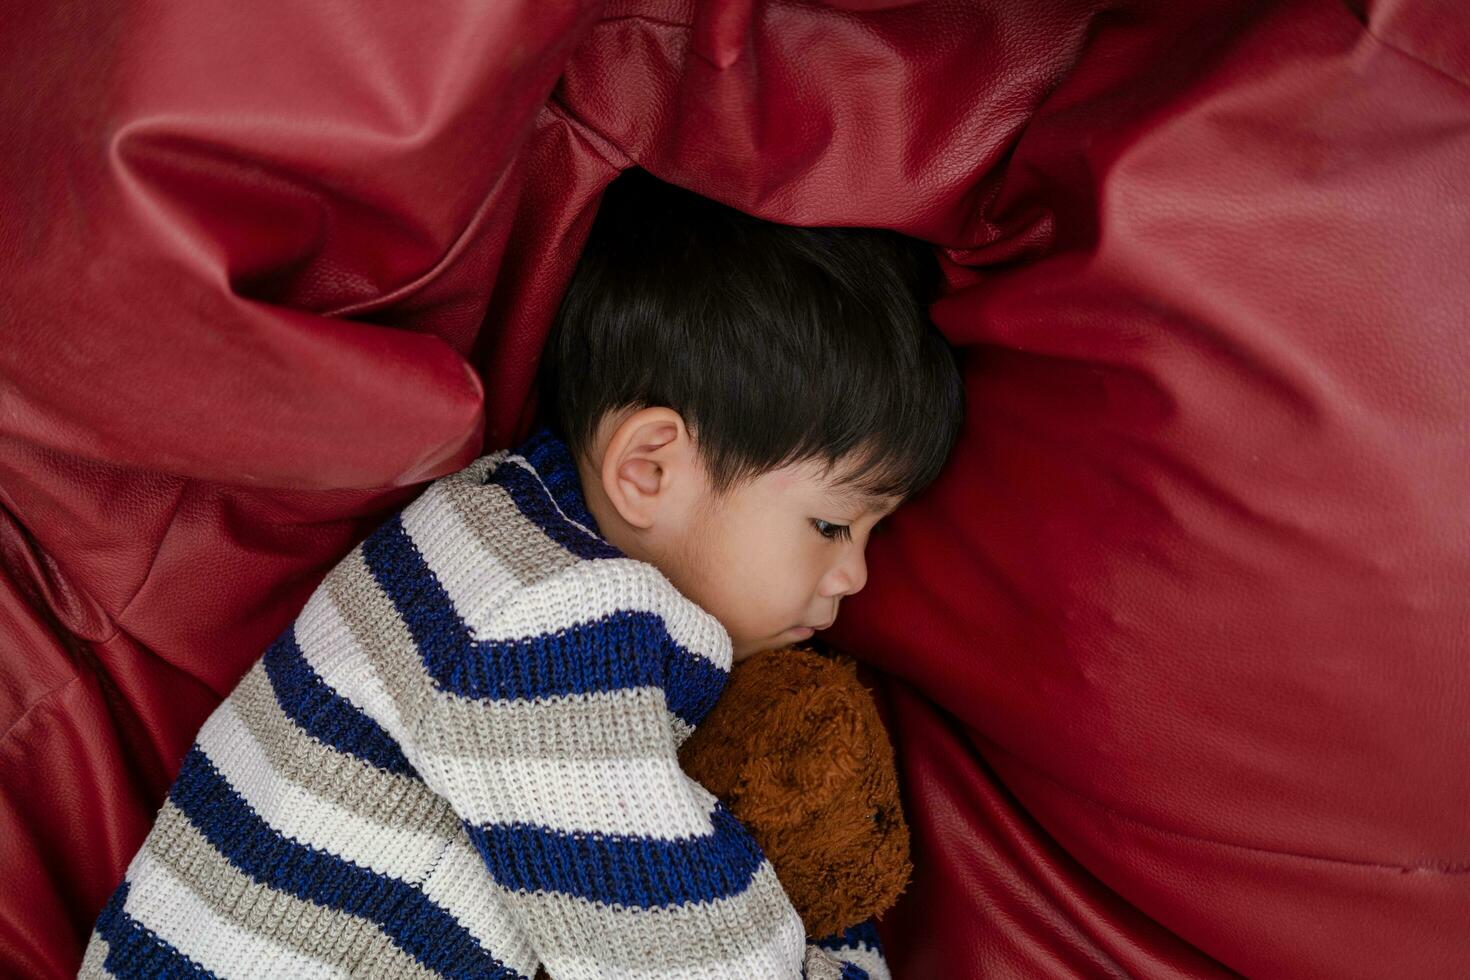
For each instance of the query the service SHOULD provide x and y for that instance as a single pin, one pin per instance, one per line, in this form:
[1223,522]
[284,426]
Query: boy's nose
[847,578]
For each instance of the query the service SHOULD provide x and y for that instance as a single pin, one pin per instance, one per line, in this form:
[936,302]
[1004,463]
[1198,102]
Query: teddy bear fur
[796,749]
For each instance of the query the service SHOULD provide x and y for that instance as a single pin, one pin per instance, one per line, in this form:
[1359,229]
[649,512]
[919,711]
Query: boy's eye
[832,532]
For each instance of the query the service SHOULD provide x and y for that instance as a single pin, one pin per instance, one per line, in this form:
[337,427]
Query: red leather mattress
[1176,654]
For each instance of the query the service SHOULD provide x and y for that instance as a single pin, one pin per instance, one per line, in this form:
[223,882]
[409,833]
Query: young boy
[461,759]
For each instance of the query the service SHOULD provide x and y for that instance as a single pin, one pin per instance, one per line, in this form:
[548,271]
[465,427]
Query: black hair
[777,344]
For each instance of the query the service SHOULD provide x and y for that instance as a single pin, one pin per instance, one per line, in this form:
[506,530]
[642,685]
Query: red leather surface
[1174,654]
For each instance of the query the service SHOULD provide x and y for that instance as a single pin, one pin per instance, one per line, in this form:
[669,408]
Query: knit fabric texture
[460,760]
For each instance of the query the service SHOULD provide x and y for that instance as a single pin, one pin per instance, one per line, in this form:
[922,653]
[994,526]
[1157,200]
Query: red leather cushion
[1173,655]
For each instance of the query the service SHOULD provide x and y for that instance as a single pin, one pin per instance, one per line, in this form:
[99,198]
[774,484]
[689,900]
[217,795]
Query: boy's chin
[781,642]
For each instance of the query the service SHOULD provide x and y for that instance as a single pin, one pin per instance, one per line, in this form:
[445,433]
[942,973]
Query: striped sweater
[460,760]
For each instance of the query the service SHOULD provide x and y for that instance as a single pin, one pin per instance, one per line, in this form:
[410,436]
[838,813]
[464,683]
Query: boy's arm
[555,741]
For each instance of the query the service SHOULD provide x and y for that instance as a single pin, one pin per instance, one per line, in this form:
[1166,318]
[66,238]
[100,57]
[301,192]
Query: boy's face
[769,560]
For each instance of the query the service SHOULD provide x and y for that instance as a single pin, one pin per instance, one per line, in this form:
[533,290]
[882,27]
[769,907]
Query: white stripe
[867,959]
[295,812]
[769,962]
[461,883]
[165,905]
[473,577]
[633,797]
[590,590]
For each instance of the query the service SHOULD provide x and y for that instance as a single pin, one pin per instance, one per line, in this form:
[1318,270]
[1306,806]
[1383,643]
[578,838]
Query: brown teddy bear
[796,749]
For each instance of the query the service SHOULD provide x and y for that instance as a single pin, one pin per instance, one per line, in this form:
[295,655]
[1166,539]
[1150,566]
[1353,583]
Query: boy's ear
[646,453]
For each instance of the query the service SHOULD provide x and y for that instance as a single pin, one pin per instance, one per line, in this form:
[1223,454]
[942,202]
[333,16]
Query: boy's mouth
[806,631]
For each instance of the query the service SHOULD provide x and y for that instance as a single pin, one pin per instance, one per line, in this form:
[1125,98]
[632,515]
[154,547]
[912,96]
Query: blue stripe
[692,683]
[551,458]
[636,872]
[416,925]
[627,648]
[134,950]
[864,934]
[533,499]
[324,714]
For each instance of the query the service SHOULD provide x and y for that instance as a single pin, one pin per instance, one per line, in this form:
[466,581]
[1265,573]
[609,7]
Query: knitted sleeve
[549,717]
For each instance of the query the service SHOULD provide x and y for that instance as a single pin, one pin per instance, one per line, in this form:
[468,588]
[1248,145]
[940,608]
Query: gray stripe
[374,623]
[625,725]
[323,934]
[821,965]
[503,531]
[475,473]
[682,730]
[393,800]
[92,967]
